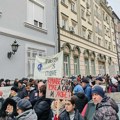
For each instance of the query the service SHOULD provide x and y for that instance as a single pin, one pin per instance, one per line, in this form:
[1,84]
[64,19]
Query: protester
[1,99]
[80,101]
[15,84]
[30,93]
[57,107]
[8,110]
[14,95]
[77,88]
[42,106]
[25,111]
[21,89]
[70,113]
[87,88]
[106,108]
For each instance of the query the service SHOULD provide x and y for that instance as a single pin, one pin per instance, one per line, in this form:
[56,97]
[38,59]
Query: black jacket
[42,108]
[80,101]
[65,115]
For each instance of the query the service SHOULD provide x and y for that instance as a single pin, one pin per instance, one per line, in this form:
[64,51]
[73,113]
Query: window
[31,54]
[64,22]
[97,26]
[36,14]
[92,67]
[83,32]
[66,65]
[89,35]
[74,26]
[86,67]
[106,44]
[82,12]
[73,6]
[76,65]
[99,41]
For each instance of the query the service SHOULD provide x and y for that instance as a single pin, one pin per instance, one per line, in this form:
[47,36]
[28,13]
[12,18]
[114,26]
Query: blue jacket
[87,91]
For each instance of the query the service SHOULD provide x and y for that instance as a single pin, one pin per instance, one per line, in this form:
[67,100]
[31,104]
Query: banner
[6,91]
[58,88]
[51,66]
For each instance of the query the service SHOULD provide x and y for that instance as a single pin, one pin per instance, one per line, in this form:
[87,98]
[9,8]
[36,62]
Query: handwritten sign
[58,88]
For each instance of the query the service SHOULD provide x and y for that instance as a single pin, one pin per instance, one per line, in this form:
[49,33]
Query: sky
[115,4]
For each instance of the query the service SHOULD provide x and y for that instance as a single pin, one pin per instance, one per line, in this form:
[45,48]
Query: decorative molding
[29,25]
[76,51]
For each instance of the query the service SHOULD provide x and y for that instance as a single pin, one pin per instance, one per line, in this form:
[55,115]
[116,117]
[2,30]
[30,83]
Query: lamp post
[14,49]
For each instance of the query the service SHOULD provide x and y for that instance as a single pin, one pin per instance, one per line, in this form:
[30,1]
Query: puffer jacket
[80,101]
[42,108]
[106,110]
[27,115]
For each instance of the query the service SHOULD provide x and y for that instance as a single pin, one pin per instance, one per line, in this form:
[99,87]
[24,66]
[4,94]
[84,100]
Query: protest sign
[58,88]
[6,91]
[49,66]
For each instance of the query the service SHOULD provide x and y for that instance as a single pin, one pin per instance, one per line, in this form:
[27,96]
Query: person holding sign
[57,108]
[70,112]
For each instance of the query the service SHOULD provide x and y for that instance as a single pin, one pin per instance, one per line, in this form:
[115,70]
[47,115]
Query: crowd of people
[27,100]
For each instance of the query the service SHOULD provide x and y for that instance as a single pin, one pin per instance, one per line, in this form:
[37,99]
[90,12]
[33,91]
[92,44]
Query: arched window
[86,61]
[67,51]
[76,57]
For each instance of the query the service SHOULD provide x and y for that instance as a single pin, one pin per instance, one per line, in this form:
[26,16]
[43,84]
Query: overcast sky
[115,4]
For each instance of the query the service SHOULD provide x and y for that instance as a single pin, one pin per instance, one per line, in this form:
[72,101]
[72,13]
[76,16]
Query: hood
[80,95]
[4,106]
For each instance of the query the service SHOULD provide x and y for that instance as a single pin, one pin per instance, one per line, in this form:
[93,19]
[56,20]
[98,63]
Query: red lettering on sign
[54,81]
[51,87]
[61,94]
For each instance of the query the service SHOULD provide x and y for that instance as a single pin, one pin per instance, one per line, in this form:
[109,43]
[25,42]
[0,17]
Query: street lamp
[14,49]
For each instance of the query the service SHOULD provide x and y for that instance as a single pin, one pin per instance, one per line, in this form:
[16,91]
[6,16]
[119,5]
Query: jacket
[106,110]
[80,101]
[65,115]
[27,115]
[87,91]
[42,108]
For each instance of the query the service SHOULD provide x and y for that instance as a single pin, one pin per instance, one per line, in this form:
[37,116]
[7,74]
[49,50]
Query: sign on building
[58,88]
[51,66]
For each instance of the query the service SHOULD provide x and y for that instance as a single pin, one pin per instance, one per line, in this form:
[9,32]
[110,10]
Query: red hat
[1,93]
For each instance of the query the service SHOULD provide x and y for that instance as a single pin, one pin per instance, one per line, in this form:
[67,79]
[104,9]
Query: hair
[72,100]
[43,90]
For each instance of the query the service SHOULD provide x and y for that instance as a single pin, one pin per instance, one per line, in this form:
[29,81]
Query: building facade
[32,23]
[117,35]
[87,37]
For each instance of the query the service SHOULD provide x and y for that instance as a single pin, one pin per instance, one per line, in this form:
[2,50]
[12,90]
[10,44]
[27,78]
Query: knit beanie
[24,104]
[98,90]
[14,89]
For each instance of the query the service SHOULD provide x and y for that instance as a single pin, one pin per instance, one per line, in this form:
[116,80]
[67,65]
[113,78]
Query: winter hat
[24,104]
[98,90]
[1,93]
[14,89]
[20,81]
